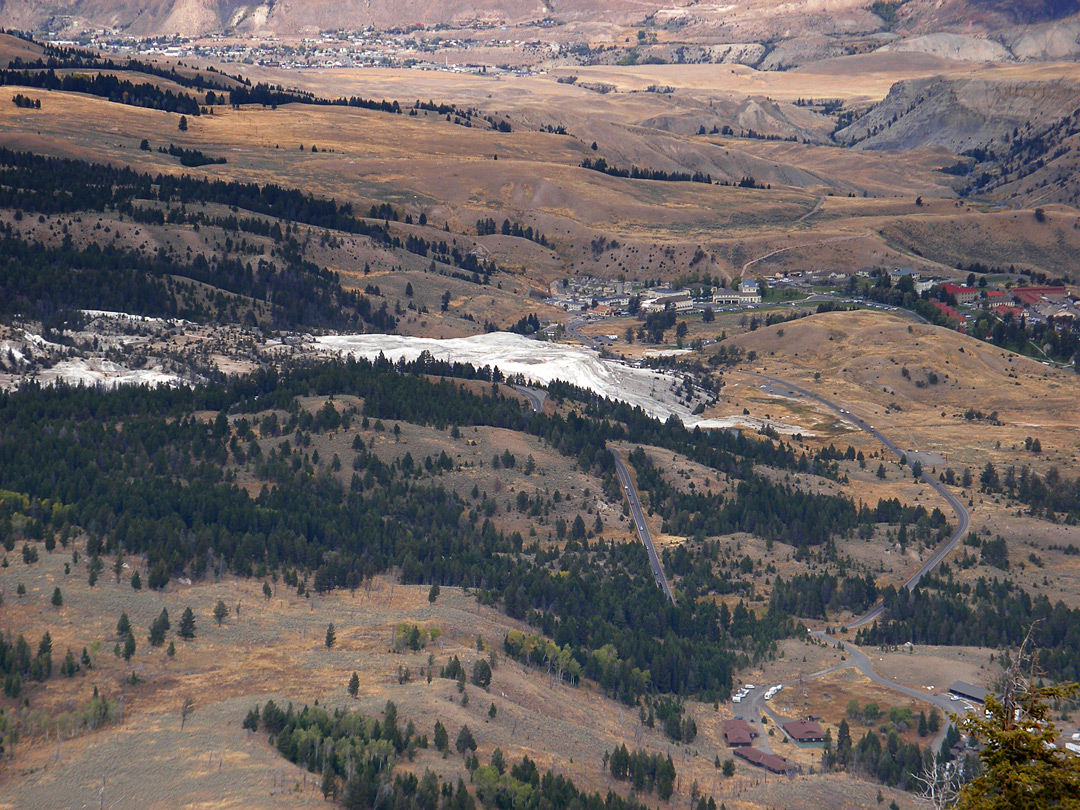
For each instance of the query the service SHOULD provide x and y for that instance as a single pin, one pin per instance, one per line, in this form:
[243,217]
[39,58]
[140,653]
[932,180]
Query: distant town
[413,48]
[1014,299]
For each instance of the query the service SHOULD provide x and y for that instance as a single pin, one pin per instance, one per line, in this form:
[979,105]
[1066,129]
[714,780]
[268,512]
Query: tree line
[357,757]
[989,613]
[486,227]
[59,185]
[46,283]
[770,510]
[638,173]
[105,85]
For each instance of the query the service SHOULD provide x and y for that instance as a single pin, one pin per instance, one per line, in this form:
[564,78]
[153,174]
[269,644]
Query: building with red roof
[770,762]
[805,731]
[738,733]
[964,295]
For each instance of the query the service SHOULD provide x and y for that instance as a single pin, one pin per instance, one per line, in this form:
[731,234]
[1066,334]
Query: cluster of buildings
[354,49]
[602,298]
[1045,304]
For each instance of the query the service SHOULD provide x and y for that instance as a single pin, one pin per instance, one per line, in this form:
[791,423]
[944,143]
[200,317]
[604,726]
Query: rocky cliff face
[1017,140]
[958,114]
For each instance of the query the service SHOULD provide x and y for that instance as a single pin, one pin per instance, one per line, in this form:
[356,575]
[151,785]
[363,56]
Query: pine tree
[159,628]
[69,667]
[129,646]
[1021,765]
[933,723]
[843,743]
[136,581]
[465,741]
[123,626]
[354,685]
[441,738]
[266,590]
[187,624]
[220,612]
[57,598]
[331,636]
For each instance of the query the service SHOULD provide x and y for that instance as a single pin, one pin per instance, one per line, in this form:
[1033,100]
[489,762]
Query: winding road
[963,519]
[856,657]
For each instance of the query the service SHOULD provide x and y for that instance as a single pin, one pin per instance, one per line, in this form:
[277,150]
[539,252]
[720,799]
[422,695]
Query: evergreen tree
[136,581]
[187,624]
[1021,765]
[123,626]
[159,628]
[57,597]
[433,594]
[129,646]
[843,743]
[251,720]
[481,673]
[441,738]
[465,741]
[331,636]
[354,685]
[933,723]
[220,612]
[69,667]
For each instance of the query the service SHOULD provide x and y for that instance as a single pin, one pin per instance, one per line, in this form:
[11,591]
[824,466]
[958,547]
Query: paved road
[535,396]
[861,661]
[963,519]
[574,330]
[643,529]
[856,657]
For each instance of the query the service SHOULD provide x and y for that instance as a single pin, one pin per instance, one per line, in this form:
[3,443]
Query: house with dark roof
[969,691]
[770,762]
[805,731]
[738,733]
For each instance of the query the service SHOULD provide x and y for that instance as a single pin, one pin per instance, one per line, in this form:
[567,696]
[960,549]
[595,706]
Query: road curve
[630,491]
[861,661]
[857,657]
[963,519]
[535,396]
